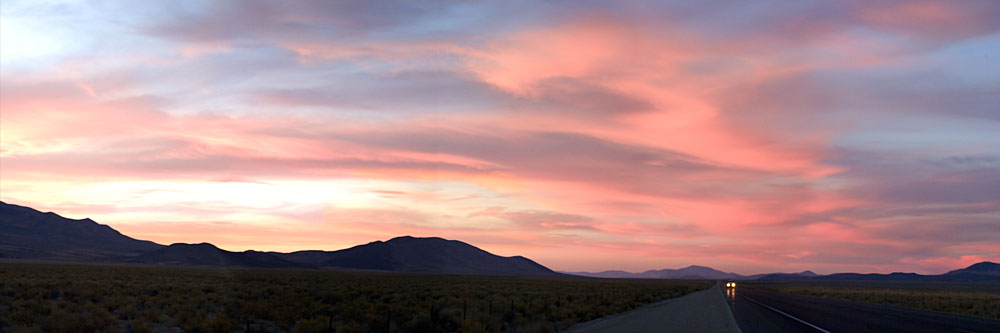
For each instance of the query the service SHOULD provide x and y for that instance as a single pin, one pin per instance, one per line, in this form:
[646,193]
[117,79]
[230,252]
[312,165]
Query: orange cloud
[667,142]
[649,67]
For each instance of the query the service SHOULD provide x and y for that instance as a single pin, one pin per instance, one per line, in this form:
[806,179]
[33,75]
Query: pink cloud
[929,18]
[679,116]
[593,132]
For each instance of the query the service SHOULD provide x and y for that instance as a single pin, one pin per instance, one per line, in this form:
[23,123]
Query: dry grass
[979,299]
[48,297]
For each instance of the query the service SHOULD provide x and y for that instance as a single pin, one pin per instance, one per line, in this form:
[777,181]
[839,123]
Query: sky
[750,137]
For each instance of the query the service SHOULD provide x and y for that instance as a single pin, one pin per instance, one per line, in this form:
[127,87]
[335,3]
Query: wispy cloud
[749,137]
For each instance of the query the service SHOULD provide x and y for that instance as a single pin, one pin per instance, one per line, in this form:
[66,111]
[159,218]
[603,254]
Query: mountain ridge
[31,234]
[207,254]
[421,255]
[689,272]
[983,271]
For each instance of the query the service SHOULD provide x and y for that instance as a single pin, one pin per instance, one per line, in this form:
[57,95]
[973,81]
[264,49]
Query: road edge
[592,322]
[729,310]
[728,325]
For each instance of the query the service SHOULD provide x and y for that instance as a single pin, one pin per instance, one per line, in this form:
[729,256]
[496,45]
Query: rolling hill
[205,254]
[978,272]
[984,271]
[26,233]
[690,272]
[31,234]
[421,255]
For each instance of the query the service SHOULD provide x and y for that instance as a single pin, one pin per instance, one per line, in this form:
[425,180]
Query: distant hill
[613,274]
[787,276]
[978,272]
[26,233]
[423,255]
[984,271]
[205,254]
[690,272]
[847,277]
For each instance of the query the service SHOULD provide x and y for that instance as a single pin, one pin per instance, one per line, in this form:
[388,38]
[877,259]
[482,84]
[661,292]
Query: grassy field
[979,299]
[82,298]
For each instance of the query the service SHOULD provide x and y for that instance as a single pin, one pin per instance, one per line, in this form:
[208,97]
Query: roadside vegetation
[979,299]
[85,298]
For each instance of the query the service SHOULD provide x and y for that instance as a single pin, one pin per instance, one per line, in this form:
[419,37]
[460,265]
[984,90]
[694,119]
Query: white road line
[786,315]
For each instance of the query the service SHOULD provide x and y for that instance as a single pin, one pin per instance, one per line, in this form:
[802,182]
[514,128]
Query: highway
[702,311]
[767,311]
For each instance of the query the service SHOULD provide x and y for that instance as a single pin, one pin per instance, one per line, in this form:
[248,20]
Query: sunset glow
[750,137]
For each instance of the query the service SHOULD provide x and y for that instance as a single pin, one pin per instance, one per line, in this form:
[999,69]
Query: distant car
[731,284]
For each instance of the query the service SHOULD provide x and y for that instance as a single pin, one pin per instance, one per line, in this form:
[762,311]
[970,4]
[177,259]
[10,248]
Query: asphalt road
[702,311]
[751,310]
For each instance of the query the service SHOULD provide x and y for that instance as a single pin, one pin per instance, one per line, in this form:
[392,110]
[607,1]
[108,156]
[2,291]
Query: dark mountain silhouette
[612,274]
[984,271]
[789,276]
[690,272]
[978,272]
[205,254]
[421,255]
[896,276]
[26,233]
[986,267]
